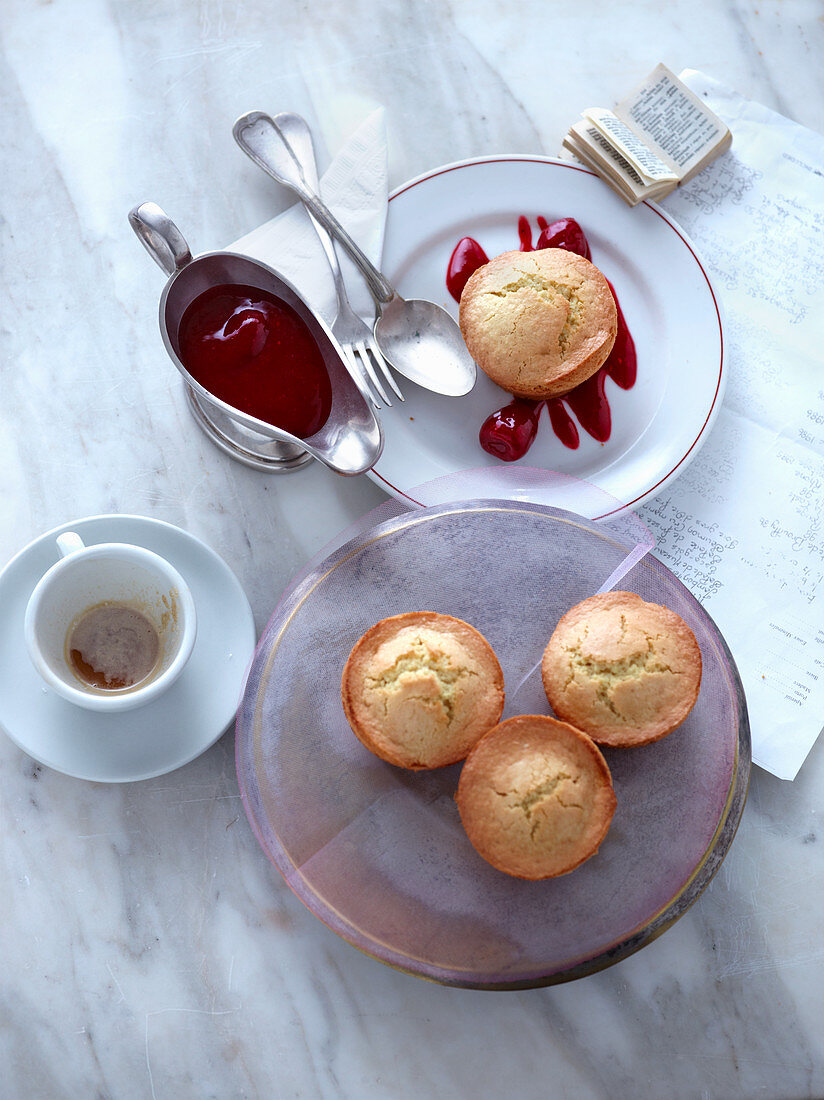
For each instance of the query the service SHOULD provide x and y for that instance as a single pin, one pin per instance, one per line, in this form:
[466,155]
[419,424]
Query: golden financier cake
[622,670]
[535,797]
[420,689]
[538,323]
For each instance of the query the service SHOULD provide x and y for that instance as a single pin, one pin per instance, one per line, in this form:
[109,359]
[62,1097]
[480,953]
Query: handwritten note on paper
[742,527]
[751,549]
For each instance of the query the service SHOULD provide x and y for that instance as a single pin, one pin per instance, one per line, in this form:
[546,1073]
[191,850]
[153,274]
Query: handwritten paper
[743,526]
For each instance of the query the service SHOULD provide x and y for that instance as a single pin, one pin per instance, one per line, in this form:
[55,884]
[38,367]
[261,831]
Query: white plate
[664,290]
[160,736]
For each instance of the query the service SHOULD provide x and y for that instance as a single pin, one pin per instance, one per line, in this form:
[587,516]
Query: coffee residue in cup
[112,647]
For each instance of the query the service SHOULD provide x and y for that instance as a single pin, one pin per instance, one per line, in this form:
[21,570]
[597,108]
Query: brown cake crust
[625,671]
[535,797]
[538,323]
[420,689]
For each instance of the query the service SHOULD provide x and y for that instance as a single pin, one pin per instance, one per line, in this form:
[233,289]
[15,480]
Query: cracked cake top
[420,689]
[535,797]
[622,670]
[538,323]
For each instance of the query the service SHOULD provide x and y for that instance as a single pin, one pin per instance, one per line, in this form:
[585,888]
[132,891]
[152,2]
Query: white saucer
[156,738]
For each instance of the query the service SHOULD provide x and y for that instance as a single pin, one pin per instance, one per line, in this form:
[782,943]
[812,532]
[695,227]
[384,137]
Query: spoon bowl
[412,335]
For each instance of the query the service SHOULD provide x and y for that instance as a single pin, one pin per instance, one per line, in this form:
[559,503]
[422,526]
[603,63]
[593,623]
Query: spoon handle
[265,143]
[296,133]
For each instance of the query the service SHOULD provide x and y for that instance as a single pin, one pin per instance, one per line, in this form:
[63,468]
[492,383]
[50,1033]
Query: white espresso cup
[101,593]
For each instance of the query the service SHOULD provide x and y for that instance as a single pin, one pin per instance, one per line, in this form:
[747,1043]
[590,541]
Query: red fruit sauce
[466,258]
[254,352]
[510,431]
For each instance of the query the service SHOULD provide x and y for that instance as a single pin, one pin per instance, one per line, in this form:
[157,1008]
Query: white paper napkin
[355,189]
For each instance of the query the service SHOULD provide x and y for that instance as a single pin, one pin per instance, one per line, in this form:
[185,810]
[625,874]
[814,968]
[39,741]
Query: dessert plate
[663,287]
[378,853]
[160,736]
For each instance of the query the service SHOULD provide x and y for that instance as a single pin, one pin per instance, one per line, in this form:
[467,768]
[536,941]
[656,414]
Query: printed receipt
[743,526]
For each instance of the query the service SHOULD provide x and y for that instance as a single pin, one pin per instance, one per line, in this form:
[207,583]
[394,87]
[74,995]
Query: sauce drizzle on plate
[510,431]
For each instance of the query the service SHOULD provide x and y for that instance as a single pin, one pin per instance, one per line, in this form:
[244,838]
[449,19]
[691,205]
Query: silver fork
[354,335]
[357,341]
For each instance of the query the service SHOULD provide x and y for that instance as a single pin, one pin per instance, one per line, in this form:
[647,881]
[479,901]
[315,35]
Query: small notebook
[657,138]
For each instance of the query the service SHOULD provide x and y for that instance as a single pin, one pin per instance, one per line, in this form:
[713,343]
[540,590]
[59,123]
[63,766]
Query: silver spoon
[420,339]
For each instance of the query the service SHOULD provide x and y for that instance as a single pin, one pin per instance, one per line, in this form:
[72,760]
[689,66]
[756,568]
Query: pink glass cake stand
[378,853]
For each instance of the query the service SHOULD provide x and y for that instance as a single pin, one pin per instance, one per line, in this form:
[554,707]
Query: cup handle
[69,543]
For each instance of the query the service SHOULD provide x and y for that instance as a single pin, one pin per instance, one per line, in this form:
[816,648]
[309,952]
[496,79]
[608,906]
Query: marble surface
[149,948]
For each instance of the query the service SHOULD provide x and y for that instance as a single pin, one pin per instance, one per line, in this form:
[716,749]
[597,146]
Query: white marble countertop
[150,950]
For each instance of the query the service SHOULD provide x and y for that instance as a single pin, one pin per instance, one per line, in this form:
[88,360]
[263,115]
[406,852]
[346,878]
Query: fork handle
[379,287]
[265,143]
